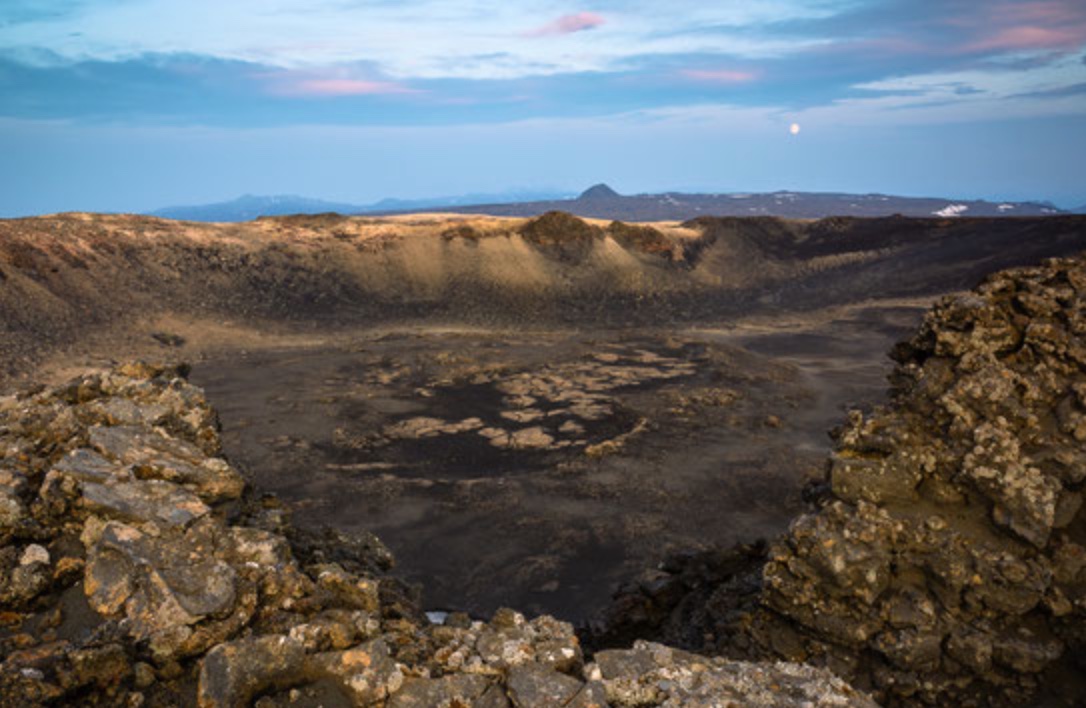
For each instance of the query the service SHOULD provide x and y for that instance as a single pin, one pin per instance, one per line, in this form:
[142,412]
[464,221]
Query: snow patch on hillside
[952,210]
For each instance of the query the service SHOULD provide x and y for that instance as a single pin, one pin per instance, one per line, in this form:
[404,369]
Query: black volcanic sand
[634,444]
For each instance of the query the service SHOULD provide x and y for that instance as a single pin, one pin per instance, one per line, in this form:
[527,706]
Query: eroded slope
[66,277]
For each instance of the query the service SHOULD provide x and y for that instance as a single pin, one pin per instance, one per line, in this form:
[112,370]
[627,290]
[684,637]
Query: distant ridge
[600,201]
[249,207]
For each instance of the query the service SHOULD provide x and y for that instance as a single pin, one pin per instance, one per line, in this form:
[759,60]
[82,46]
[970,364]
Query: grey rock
[445,692]
[89,466]
[232,673]
[142,501]
[366,672]
[681,679]
[159,584]
[153,454]
[534,685]
[592,695]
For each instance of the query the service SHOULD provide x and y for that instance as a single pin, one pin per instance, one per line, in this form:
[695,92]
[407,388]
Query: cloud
[569,24]
[1031,38]
[343,87]
[360,79]
[1047,25]
[720,76]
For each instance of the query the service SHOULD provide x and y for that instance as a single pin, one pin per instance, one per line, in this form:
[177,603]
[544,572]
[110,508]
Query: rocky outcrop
[945,560]
[948,557]
[137,570]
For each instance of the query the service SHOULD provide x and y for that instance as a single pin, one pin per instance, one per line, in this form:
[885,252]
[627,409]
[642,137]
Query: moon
[794,129]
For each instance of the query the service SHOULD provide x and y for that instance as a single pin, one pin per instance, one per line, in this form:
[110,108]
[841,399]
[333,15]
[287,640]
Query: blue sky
[129,105]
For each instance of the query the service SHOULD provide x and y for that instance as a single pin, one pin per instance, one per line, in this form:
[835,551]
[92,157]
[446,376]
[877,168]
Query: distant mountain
[409,205]
[1080,210]
[249,207]
[602,202]
[599,192]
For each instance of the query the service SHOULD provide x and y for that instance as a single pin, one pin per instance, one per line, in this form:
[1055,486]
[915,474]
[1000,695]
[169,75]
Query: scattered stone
[34,554]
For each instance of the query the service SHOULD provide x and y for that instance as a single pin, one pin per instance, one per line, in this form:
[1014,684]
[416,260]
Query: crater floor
[539,469]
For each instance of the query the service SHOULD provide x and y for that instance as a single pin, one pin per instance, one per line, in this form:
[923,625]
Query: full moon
[794,129]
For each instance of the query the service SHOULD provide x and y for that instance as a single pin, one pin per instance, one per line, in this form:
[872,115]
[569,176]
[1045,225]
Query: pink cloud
[720,76]
[995,26]
[1048,25]
[568,24]
[335,82]
[1025,38]
[347,87]
[1050,12]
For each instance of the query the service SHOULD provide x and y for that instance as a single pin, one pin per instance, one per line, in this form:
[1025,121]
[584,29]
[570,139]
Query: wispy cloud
[1031,38]
[569,24]
[720,76]
[1001,26]
[331,81]
[341,87]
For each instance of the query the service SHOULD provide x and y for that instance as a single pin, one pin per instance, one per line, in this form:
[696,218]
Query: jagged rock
[335,629]
[350,590]
[652,674]
[444,692]
[534,685]
[22,579]
[494,697]
[938,568]
[366,672]
[13,513]
[156,455]
[592,695]
[232,673]
[162,585]
[86,465]
[143,501]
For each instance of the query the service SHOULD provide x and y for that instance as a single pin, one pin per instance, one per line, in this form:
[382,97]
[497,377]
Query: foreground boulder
[137,570]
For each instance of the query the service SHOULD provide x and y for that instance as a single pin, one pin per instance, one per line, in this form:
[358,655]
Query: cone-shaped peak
[599,191]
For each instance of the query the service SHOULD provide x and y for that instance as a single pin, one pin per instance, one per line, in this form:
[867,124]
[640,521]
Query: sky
[133,105]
